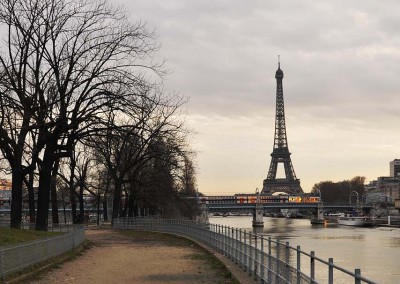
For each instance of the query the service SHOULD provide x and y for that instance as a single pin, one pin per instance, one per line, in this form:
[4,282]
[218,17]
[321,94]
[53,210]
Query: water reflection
[374,250]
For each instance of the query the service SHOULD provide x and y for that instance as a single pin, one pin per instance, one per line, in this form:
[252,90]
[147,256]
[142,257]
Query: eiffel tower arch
[280,153]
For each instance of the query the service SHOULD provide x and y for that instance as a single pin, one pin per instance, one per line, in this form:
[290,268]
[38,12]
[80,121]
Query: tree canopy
[77,72]
[340,192]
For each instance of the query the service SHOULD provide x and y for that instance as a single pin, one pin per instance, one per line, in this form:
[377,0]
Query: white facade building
[387,187]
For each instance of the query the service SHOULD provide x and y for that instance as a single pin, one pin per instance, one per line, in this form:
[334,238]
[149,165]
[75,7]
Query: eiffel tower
[280,154]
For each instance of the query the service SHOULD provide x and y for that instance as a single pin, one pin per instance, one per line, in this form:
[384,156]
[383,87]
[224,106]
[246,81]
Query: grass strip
[9,236]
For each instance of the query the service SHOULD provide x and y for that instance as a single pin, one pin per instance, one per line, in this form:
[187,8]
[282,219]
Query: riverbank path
[127,257]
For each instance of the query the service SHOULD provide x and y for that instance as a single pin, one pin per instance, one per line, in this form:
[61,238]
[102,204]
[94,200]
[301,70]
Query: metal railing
[264,259]
[19,257]
[388,220]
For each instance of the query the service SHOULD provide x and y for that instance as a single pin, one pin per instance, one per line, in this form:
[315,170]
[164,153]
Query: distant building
[395,168]
[5,192]
[397,203]
[5,184]
[386,186]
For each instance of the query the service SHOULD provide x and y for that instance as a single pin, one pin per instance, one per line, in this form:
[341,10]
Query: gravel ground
[137,258]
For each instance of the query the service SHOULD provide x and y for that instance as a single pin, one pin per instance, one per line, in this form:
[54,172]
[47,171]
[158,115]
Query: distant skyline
[341,61]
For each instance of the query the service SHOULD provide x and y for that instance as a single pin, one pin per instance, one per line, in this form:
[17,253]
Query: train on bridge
[241,198]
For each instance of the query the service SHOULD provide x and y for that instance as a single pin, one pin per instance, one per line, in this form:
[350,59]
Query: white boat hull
[356,221]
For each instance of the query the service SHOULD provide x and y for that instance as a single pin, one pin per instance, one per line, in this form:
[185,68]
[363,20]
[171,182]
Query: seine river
[376,251]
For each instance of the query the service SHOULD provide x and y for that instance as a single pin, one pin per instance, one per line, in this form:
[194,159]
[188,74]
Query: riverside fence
[264,259]
[19,257]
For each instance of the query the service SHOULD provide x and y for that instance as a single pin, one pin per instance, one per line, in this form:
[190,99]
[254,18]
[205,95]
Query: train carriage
[242,198]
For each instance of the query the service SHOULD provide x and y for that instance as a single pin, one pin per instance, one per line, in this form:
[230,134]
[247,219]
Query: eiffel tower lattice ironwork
[280,154]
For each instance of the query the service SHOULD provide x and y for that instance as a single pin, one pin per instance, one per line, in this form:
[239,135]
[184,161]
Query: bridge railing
[264,259]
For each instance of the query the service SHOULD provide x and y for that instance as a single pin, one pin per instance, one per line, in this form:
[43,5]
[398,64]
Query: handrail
[265,259]
[18,257]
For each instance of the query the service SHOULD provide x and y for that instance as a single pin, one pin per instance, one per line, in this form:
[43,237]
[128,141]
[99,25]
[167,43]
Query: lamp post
[320,195]
[364,197]
[351,196]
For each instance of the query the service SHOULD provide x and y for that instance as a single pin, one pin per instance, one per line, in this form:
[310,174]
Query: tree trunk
[16,198]
[98,209]
[105,212]
[125,209]
[45,174]
[65,213]
[81,205]
[72,192]
[31,194]
[54,203]
[116,200]
[131,205]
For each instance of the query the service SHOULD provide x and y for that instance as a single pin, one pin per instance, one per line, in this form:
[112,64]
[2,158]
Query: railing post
[250,254]
[232,244]
[262,264]
[223,240]
[226,240]
[298,272]
[236,246]
[287,267]
[312,268]
[214,231]
[219,238]
[330,279]
[245,251]
[229,242]
[214,236]
[255,258]
[269,260]
[240,249]
[278,261]
[357,273]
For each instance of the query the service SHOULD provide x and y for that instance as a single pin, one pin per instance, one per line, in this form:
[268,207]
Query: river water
[376,251]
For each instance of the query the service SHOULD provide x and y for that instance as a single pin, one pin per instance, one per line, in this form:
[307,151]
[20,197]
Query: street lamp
[320,195]
[351,196]
[364,197]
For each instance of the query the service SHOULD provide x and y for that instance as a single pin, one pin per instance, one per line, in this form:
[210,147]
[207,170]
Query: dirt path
[137,258]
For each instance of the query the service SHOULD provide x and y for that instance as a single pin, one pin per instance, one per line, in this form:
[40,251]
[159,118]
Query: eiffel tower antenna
[280,153]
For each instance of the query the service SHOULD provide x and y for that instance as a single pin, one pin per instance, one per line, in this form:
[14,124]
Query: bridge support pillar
[203,215]
[258,215]
[319,217]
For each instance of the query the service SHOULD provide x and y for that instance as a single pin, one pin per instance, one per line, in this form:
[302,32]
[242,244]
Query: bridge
[227,207]
[246,202]
[258,205]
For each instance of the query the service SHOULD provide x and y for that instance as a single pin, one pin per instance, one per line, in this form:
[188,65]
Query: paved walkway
[141,258]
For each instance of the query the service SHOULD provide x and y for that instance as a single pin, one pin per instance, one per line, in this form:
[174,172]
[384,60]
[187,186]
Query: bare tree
[20,60]
[4,167]
[67,63]
[188,175]
[127,149]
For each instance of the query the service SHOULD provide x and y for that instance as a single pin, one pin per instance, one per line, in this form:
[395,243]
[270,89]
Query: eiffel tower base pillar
[258,216]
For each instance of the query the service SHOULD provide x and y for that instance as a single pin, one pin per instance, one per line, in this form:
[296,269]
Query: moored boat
[358,221]
[316,221]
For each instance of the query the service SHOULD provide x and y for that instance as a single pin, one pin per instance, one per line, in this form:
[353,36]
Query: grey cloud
[334,54]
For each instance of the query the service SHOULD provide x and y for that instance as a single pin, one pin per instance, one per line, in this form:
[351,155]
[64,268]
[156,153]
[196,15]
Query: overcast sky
[341,61]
